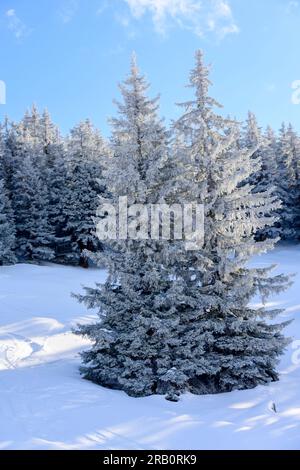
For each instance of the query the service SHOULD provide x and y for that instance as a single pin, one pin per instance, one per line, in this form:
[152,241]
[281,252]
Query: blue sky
[69,55]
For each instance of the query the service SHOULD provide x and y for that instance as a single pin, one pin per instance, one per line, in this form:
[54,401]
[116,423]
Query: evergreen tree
[53,168]
[7,229]
[229,345]
[2,155]
[10,150]
[135,304]
[265,155]
[252,138]
[30,202]
[264,167]
[174,320]
[269,160]
[269,179]
[29,183]
[288,177]
[86,152]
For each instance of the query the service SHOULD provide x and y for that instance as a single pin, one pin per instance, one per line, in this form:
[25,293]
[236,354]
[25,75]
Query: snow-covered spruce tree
[7,151]
[226,344]
[7,229]
[53,168]
[263,178]
[269,179]
[29,183]
[174,320]
[39,134]
[86,152]
[288,183]
[252,138]
[265,156]
[10,149]
[138,322]
[269,159]
[47,151]
[30,203]
[2,154]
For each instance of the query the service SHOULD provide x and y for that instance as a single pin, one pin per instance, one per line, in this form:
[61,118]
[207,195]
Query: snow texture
[45,404]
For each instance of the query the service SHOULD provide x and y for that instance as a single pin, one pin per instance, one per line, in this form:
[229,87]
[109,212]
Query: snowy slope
[44,404]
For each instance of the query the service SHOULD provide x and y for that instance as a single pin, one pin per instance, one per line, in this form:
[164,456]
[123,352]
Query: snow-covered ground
[44,403]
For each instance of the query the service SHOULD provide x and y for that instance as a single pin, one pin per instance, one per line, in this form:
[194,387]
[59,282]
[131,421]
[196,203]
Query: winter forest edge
[171,321]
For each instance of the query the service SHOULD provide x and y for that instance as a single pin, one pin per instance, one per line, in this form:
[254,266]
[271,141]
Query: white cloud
[16,25]
[199,16]
[10,13]
[68,10]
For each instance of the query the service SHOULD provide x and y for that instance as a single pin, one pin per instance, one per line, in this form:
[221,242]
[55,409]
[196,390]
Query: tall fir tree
[11,150]
[229,344]
[265,156]
[137,317]
[7,228]
[86,152]
[252,138]
[29,185]
[269,159]
[263,178]
[288,183]
[30,203]
[53,167]
[270,181]
[2,154]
